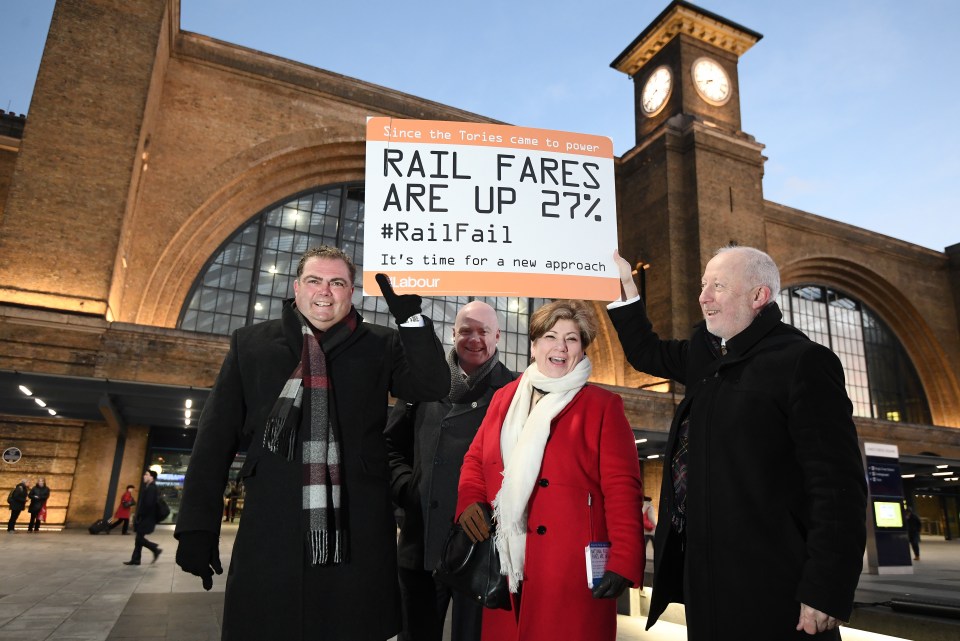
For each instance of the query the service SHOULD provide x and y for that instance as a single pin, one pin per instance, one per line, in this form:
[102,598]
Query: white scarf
[522,439]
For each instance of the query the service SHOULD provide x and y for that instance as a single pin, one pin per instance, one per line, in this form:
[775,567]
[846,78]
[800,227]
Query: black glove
[402,307]
[199,554]
[611,586]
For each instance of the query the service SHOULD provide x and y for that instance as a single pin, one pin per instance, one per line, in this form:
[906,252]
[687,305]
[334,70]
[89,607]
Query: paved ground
[70,585]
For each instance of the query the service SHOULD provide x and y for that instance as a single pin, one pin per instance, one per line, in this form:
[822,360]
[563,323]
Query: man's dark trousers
[425,603]
[141,542]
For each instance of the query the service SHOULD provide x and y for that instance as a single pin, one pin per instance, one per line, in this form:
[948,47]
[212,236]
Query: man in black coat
[145,520]
[17,500]
[426,443]
[763,500]
[315,554]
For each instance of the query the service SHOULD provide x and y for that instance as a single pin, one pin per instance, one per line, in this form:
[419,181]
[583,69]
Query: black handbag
[473,568]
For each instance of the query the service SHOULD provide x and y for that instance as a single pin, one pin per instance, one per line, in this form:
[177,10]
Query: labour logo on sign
[11,455]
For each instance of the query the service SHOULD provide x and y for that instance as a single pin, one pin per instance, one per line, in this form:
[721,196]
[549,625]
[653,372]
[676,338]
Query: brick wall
[93,465]
[73,174]
[8,158]
[50,450]
[76,457]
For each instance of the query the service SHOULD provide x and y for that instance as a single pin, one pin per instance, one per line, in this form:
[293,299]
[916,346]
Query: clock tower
[693,182]
[686,62]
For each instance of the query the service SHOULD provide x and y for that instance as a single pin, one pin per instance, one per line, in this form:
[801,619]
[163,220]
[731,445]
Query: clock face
[656,91]
[711,81]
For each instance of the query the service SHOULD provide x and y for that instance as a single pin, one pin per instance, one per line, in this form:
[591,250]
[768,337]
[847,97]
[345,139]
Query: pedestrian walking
[122,515]
[146,519]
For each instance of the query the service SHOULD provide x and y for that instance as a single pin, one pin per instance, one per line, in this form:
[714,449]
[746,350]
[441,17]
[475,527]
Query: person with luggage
[122,515]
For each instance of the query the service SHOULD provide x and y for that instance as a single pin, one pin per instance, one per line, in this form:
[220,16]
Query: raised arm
[420,371]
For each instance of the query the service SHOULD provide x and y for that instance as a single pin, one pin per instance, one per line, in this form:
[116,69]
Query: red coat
[590,456]
[124,512]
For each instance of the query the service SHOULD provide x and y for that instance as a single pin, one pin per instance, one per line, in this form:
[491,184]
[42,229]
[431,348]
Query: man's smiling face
[728,301]
[323,292]
[475,335]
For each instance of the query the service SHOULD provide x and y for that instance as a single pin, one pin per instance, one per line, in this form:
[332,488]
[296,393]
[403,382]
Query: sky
[856,101]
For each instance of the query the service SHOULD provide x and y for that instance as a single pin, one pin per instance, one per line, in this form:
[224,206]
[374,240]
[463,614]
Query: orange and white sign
[472,209]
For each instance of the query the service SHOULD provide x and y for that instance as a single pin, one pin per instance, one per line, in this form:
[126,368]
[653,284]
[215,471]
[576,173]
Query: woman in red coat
[556,459]
[122,515]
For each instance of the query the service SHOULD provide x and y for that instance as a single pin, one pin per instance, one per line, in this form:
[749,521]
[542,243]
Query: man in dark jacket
[145,520]
[764,443]
[315,555]
[426,444]
[17,500]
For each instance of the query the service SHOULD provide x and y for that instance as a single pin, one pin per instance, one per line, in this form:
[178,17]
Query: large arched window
[881,380]
[251,274]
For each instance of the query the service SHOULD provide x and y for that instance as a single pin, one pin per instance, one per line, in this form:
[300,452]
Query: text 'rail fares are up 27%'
[456,208]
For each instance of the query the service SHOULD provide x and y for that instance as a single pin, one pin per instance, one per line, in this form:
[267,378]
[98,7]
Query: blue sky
[855,100]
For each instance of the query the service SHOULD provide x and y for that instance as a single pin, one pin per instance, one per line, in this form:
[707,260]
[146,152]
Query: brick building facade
[142,154]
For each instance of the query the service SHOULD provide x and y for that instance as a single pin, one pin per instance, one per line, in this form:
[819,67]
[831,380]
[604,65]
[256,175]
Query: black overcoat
[38,495]
[17,499]
[426,443]
[776,495]
[145,521]
[270,592]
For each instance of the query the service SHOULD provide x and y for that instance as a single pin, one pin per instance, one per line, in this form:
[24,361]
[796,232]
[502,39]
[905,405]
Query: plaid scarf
[323,509]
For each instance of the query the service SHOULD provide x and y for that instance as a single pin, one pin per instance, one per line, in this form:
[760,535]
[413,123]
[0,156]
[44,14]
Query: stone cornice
[52,300]
[684,18]
[681,125]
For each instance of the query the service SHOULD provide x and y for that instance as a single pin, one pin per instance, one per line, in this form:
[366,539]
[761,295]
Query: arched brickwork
[883,298]
[248,184]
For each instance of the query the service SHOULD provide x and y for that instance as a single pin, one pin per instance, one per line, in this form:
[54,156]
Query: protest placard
[458,209]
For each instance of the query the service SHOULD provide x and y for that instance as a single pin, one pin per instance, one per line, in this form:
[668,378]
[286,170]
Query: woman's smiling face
[559,350]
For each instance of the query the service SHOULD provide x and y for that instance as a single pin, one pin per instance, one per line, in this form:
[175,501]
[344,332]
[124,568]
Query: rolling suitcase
[98,526]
